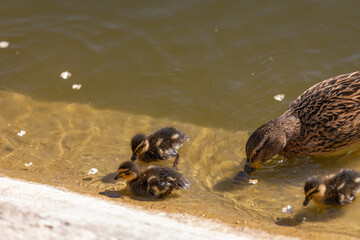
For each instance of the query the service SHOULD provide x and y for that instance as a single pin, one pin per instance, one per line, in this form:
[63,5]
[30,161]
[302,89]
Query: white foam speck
[76,86]
[93,171]
[287,209]
[253,181]
[21,133]
[65,75]
[28,164]
[4,44]
[279,97]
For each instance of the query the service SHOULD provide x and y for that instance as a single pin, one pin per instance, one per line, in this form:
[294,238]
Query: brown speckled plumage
[160,145]
[324,119]
[334,189]
[153,181]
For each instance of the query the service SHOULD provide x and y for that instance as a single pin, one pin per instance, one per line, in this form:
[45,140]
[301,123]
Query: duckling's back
[329,114]
[347,180]
[159,182]
[342,187]
[168,136]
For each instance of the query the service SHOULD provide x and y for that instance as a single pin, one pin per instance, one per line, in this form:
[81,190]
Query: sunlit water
[210,68]
[63,142]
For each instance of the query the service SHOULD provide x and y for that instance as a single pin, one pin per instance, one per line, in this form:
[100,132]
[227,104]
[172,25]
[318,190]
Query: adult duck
[324,119]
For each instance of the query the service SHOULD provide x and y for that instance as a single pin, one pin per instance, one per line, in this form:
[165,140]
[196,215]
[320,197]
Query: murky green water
[210,68]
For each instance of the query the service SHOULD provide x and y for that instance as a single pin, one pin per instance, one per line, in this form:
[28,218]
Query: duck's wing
[330,112]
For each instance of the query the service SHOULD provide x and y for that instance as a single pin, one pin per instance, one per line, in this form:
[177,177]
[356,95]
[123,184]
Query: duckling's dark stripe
[139,147]
[311,193]
[124,171]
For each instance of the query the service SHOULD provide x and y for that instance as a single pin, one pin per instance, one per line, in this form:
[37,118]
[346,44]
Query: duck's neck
[288,125]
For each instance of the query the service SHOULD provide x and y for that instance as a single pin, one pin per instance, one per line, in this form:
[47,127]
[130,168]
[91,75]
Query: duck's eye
[127,173]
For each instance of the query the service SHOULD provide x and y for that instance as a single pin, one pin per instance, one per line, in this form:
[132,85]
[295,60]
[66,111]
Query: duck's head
[264,143]
[314,189]
[139,145]
[128,171]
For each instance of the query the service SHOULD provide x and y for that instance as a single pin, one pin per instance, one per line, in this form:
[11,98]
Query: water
[210,68]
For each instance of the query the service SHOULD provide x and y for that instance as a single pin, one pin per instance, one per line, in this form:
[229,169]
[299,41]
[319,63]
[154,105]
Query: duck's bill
[117,177]
[250,168]
[133,157]
[306,202]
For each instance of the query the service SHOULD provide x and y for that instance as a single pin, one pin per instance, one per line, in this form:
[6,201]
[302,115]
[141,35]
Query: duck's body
[152,182]
[335,189]
[324,119]
[161,145]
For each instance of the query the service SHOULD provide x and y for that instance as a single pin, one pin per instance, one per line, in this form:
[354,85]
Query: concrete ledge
[35,211]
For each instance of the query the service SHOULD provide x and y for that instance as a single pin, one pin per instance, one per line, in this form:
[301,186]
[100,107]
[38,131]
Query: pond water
[210,68]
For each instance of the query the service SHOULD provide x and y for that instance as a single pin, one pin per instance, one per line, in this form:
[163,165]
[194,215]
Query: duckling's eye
[316,191]
[312,193]
[127,173]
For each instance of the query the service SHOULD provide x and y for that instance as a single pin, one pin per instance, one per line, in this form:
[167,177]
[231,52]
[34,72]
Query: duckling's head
[139,145]
[314,189]
[128,171]
[264,143]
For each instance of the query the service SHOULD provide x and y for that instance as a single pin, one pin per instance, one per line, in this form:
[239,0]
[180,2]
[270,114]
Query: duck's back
[329,114]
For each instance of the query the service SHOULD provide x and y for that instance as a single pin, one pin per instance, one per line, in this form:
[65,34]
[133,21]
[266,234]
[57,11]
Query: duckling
[154,181]
[335,189]
[324,119]
[161,145]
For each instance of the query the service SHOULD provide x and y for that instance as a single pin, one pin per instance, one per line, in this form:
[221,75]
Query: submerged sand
[58,143]
[35,211]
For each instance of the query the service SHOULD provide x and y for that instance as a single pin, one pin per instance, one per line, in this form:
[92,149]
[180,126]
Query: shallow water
[64,141]
[211,68]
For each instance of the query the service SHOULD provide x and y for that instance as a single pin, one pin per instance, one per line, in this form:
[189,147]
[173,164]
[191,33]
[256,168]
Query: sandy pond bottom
[59,143]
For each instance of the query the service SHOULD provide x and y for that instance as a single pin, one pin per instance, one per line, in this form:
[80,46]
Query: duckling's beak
[306,201]
[133,157]
[117,177]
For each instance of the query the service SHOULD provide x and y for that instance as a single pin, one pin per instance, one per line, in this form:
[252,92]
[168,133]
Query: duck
[334,189]
[156,182]
[322,120]
[160,145]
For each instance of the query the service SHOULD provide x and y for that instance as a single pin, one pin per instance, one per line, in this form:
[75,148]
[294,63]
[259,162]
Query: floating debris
[65,75]
[253,181]
[76,86]
[21,133]
[287,209]
[28,164]
[279,97]
[93,171]
[4,44]
[216,29]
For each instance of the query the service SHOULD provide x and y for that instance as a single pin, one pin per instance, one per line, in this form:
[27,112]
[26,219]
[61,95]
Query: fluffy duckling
[324,119]
[154,181]
[335,189]
[161,145]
